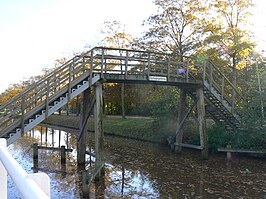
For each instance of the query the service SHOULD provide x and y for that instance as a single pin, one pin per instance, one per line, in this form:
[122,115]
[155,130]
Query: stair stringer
[59,104]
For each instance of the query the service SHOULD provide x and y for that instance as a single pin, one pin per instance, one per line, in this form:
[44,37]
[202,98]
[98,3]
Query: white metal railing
[30,186]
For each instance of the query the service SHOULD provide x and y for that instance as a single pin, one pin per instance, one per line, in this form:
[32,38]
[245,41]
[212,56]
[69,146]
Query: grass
[147,129]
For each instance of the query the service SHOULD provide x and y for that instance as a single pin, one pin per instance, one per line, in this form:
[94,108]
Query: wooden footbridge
[210,89]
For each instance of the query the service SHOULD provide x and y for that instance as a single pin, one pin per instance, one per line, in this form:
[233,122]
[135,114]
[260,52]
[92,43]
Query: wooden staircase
[218,94]
[53,91]
[43,98]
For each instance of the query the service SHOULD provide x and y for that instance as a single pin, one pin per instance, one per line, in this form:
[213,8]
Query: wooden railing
[41,93]
[127,62]
[219,84]
[111,61]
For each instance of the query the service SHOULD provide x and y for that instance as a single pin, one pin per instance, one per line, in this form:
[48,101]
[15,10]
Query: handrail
[220,83]
[31,186]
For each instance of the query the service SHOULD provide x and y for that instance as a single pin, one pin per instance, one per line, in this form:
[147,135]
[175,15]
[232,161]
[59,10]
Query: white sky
[34,33]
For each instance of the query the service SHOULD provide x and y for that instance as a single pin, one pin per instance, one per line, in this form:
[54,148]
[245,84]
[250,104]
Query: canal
[136,169]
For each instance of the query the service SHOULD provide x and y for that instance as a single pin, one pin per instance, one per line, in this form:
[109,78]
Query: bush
[218,137]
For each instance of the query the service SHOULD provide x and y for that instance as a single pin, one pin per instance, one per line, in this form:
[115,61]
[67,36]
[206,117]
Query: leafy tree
[175,28]
[115,35]
[226,39]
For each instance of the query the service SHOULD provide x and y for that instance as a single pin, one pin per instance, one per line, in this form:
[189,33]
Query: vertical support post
[99,136]
[22,113]
[202,123]
[63,155]
[69,81]
[168,68]
[53,137]
[81,145]
[149,64]
[228,153]
[126,64]
[91,68]
[47,98]
[85,187]
[211,77]
[102,61]
[222,94]
[35,151]
[187,71]
[121,63]
[83,64]
[204,71]
[35,158]
[123,100]
[181,115]
[3,174]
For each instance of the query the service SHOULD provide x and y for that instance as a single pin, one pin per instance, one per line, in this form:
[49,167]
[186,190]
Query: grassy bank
[153,130]
[147,129]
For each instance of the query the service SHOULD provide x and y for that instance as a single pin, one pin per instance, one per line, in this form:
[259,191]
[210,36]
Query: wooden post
[187,71]
[91,68]
[126,64]
[22,113]
[211,76]
[102,62]
[123,100]
[63,155]
[168,68]
[63,160]
[222,94]
[35,151]
[47,98]
[85,187]
[202,123]
[204,72]
[181,114]
[228,153]
[99,136]
[70,81]
[35,157]
[81,145]
[149,64]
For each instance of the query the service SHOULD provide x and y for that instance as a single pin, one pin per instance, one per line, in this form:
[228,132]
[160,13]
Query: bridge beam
[202,123]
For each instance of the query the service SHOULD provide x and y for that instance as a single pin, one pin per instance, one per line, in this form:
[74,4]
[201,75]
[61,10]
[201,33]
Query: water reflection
[137,169]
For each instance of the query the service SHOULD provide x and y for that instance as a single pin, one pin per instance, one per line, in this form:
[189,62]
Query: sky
[34,33]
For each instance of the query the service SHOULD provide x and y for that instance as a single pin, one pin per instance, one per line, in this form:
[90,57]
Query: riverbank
[157,130]
[139,128]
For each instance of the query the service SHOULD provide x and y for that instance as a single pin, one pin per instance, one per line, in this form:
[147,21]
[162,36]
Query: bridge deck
[158,80]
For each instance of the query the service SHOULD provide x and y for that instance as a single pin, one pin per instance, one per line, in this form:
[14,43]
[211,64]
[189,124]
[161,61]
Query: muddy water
[136,169]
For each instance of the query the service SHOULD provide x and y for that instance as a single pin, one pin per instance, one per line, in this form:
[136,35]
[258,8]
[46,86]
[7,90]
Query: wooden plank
[52,148]
[191,146]
[240,151]
[90,153]
[95,172]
